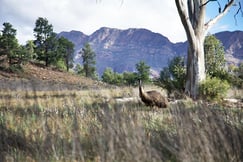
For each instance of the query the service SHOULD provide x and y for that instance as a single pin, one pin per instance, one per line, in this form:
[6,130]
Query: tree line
[46,48]
[49,49]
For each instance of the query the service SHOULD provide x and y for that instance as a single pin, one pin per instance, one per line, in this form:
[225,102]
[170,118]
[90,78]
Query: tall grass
[83,126]
[208,133]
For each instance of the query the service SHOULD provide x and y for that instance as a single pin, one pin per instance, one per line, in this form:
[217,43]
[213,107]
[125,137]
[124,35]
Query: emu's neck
[141,91]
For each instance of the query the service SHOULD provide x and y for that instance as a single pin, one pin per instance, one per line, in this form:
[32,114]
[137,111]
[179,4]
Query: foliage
[15,53]
[60,64]
[130,78]
[49,48]
[143,71]
[108,76]
[127,78]
[239,76]
[235,81]
[235,75]
[52,55]
[215,62]
[21,55]
[214,57]
[8,42]
[111,77]
[79,70]
[173,77]
[15,68]
[30,48]
[240,71]
[89,62]
[66,49]
[45,40]
[46,47]
[213,88]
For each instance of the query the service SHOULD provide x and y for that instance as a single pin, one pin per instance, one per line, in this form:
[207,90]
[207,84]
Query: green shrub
[60,64]
[173,77]
[15,68]
[213,89]
[111,77]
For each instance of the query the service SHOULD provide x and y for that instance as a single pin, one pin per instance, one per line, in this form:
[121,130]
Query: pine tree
[66,49]
[89,62]
[8,42]
[43,32]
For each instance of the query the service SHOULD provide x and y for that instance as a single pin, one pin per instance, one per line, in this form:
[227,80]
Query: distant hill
[122,49]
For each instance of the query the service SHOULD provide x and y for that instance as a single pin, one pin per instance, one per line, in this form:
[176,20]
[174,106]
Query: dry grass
[85,126]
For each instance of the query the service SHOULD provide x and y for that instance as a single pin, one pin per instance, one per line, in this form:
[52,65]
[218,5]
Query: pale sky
[159,16]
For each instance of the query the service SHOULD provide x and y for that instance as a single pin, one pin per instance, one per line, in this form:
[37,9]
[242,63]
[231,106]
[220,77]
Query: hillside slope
[38,77]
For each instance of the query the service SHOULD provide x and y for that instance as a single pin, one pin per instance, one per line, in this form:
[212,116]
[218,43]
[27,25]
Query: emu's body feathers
[153,98]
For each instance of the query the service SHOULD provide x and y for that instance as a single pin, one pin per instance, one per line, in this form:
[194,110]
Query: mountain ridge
[122,49]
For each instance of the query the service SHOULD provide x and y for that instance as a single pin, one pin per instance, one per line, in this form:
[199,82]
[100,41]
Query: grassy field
[90,125]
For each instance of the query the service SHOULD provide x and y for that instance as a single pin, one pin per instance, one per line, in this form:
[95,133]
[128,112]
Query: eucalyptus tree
[192,14]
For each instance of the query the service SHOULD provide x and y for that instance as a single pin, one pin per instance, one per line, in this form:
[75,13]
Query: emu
[152,98]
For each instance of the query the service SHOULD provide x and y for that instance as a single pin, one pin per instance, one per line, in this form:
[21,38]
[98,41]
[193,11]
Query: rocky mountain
[122,49]
[77,37]
[233,44]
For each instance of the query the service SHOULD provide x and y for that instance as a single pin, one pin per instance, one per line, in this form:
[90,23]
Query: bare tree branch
[204,4]
[211,22]
[239,10]
[219,6]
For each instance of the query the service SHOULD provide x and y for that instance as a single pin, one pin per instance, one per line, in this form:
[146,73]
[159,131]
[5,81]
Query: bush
[60,64]
[173,77]
[15,68]
[111,77]
[213,89]
[130,78]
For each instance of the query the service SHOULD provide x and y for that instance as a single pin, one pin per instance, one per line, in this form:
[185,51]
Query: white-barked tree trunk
[192,14]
